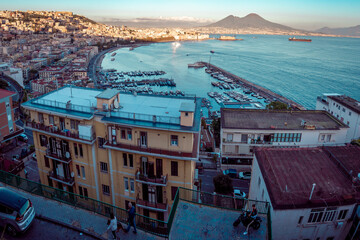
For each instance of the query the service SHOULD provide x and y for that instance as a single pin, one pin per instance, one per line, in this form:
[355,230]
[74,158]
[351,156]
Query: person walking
[131,218]
[112,225]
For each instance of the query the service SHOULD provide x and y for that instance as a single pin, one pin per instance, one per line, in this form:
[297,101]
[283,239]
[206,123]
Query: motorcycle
[245,219]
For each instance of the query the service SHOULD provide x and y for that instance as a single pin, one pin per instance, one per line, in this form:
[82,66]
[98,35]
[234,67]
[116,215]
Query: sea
[300,71]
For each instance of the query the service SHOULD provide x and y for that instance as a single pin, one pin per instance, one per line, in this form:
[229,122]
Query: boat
[212,51]
[195,65]
[130,49]
[229,38]
[112,59]
[113,54]
[299,39]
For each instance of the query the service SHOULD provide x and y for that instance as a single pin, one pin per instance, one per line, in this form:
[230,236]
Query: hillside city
[107,155]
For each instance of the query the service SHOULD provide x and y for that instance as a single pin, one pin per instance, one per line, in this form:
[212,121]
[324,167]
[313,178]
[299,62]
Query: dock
[265,93]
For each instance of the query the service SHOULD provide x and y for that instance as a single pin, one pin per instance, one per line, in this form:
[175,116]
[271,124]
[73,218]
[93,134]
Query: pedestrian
[131,218]
[252,216]
[112,225]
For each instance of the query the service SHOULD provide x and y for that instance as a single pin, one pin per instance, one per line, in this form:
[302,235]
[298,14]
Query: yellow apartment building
[117,147]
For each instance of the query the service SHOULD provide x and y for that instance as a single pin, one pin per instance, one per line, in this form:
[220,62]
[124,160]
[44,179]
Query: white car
[245,175]
[239,194]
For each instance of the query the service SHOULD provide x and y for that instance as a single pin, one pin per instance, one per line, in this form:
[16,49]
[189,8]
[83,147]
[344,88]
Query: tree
[276,105]
[223,184]
[203,122]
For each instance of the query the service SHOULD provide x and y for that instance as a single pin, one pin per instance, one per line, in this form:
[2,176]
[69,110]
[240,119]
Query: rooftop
[6,93]
[278,119]
[346,101]
[289,175]
[145,110]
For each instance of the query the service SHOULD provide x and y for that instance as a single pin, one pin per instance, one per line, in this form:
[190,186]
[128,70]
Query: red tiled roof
[289,175]
[5,93]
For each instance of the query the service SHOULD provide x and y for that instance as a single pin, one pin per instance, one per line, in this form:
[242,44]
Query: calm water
[299,71]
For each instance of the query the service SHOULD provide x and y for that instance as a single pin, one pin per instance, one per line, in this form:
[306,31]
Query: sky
[303,14]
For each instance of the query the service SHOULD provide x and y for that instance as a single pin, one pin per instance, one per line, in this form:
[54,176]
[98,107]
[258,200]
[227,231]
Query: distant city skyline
[302,14]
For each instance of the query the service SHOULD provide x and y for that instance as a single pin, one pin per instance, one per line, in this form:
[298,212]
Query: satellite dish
[72,174]
[67,155]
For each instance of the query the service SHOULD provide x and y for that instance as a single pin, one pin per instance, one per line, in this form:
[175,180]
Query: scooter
[245,220]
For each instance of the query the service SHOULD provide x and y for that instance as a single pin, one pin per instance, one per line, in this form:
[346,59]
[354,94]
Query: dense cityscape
[92,151]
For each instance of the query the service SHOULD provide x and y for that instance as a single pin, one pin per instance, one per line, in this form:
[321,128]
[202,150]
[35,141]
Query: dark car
[231,173]
[16,211]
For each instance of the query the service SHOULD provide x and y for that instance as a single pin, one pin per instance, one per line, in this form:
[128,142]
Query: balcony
[161,207]
[64,158]
[154,151]
[12,135]
[54,130]
[65,180]
[151,180]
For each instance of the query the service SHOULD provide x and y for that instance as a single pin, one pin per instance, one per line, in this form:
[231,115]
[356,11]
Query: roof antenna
[312,190]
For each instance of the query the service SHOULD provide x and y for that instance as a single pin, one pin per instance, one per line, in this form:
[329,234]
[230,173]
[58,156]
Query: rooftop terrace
[280,120]
[346,101]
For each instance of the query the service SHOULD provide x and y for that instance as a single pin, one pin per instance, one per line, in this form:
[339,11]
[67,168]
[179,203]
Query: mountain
[250,21]
[350,31]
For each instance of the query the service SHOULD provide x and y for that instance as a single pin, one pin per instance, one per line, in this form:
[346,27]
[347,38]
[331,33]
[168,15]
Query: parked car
[34,156]
[22,137]
[245,175]
[239,194]
[16,212]
[231,172]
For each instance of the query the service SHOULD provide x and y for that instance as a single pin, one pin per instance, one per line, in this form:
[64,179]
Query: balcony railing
[157,181]
[60,157]
[57,131]
[152,205]
[68,106]
[18,131]
[151,150]
[65,180]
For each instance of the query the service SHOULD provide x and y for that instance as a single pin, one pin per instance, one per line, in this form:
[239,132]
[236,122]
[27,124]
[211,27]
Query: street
[43,230]
[207,184]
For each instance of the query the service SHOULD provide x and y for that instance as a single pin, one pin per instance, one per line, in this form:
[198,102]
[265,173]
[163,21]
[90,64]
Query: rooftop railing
[67,106]
[146,117]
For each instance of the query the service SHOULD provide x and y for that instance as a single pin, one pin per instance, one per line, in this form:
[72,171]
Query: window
[43,141]
[129,134]
[47,163]
[51,120]
[83,172]
[76,149]
[78,170]
[262,195]
[328,137]
[174,140]
[74,124]
[300,219]
[259,182]
[101,142]
[81,150]
[86,192]
[174,168]
[125,159]
[286,137]
[131,160]
[173,192]
[229,137]
[342,214]
[348,123]
[316,215]
[126,184]
[132,185]
[244,138]
[80,191]
[41,117]
[103,167]
[329,215]
[349,113]
[343,109]
[106,189]
[322,137]
[123,134]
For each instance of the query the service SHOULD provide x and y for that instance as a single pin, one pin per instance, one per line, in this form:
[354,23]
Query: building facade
[242,130]
[313,192]
[345,109]
[117,148]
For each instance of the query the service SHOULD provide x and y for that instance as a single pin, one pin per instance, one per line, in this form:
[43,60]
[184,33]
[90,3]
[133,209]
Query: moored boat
[299,39]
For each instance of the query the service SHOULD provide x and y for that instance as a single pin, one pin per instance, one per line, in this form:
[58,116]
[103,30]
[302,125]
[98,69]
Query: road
[208,186]
[42,230]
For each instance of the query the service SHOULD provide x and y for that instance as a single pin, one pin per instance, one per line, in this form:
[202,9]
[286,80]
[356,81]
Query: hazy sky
[306,14]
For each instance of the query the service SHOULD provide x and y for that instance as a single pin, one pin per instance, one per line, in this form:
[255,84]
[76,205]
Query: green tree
[276,105]
[223,184]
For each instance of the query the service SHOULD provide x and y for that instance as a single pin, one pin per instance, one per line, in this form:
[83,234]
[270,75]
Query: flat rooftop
[277,120]
[289,174]
[5,93]
[346,101]
[133,109]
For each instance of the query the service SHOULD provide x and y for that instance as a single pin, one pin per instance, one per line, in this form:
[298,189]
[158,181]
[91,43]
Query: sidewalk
[87,222]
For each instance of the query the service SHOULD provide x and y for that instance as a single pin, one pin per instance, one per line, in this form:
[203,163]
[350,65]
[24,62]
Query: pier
[265,93]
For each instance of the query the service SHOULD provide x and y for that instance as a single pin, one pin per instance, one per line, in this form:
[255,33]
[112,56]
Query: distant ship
[299,39]
[229,38]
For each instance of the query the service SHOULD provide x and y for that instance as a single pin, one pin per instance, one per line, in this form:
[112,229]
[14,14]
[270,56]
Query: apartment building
[8,129]
[314,193]
[244,129]
[345,109]
[117,148]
